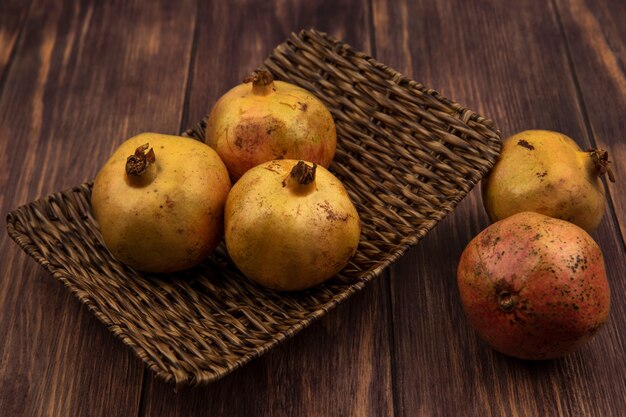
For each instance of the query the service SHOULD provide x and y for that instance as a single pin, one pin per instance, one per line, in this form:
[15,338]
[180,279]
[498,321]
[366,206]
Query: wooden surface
[78,77]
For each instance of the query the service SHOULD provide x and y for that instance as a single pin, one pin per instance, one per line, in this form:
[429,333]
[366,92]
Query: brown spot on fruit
[291,106]
[331,214]
[253,134]
[273,169]
[525,144]
[249,135]
[303,106]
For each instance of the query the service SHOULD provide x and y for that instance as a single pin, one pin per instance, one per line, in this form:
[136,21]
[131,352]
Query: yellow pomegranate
[159,201]
[546,172]
[262,120]
[290,225]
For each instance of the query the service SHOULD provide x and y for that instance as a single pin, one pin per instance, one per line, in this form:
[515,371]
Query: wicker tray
[407,156]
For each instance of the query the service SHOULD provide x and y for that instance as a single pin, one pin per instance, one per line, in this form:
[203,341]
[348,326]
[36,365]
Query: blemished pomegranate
[290,225]
[263,119]
[159,201]
[546,172]
[534,287]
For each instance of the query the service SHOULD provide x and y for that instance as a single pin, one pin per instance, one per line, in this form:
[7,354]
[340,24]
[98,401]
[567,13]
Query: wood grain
[508,61]
[596,39]
[339,366]
[12,18]
[76,78]
[85,76]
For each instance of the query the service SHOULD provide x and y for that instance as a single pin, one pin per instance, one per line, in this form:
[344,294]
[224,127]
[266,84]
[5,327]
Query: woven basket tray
[406,155]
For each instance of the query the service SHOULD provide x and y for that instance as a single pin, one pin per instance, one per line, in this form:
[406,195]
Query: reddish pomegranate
[262,120]
[534,287]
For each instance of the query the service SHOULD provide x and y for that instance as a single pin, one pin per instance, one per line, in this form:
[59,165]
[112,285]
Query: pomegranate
[159,201]
[290,225]
[546,172]
[262,119]
[534,287]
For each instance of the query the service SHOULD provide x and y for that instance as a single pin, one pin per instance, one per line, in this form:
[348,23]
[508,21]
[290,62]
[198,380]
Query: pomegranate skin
[263,120]
[534,287]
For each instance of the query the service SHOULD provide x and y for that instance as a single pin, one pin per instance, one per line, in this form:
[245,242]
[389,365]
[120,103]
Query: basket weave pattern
[406,155]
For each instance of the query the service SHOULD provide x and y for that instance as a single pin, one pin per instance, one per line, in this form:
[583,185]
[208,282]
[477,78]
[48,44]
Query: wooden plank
[508,61]
[596,39]
[84,77]
[339,366]
[12,17]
